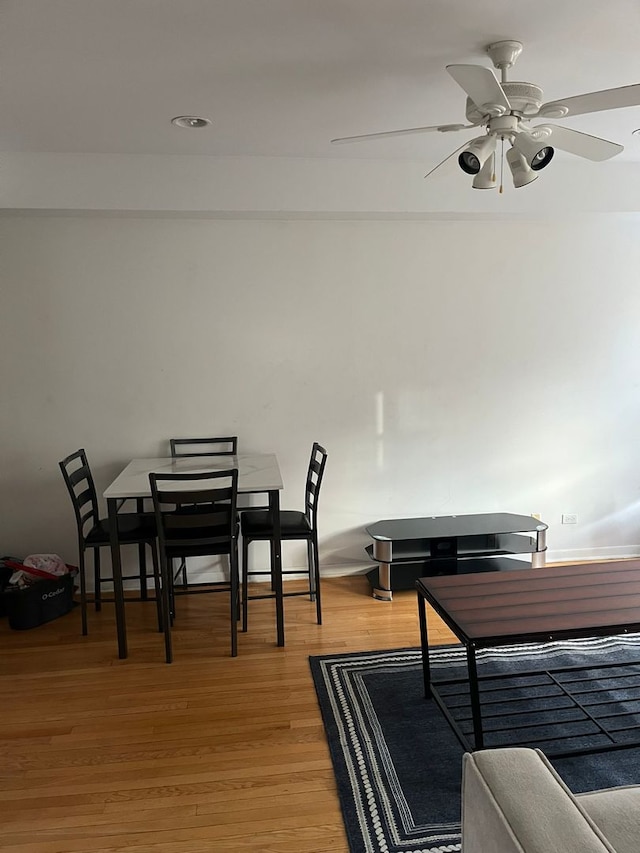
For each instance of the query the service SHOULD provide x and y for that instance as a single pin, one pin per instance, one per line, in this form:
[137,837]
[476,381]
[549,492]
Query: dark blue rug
[398,764]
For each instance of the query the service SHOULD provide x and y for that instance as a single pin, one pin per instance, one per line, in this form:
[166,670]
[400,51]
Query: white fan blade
[481,85]
[592,102]
[446,159]
[581,144]
[442,128]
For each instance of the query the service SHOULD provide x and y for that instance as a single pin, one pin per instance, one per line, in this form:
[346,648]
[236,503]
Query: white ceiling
[282,77]
[88,89]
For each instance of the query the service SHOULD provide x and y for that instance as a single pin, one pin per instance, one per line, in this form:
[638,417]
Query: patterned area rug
[398,764]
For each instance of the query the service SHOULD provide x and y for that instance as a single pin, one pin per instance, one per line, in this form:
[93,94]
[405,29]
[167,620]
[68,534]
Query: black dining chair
[256,525]
[94,533]
[196,517]
[220,445]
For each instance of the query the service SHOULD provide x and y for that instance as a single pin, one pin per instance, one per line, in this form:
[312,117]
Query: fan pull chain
[493,174]
[501,165]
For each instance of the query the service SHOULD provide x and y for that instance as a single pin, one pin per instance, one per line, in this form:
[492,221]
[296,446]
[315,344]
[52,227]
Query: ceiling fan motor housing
[525,98]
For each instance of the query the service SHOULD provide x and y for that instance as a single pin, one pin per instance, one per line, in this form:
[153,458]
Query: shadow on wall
[41,516]
[346,549]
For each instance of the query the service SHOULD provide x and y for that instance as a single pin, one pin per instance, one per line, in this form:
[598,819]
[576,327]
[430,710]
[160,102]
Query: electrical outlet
[569,518]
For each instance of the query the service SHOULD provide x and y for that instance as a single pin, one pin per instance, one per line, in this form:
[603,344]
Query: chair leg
[97,580]
[272,562]
[142,558]
[233,572]
[316,570]
[142,562]
[172,595]
[83,592]
[245,582]
[182,570]
[238,603]
[165,574]
[311,571]
[157,585]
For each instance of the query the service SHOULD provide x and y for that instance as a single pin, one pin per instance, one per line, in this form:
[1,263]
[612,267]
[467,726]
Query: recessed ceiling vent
[190,121]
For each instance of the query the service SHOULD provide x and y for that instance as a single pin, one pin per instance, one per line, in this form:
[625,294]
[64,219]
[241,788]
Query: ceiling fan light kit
[521,172]
[535,151]
[486,177]
[476,154]
[504,109]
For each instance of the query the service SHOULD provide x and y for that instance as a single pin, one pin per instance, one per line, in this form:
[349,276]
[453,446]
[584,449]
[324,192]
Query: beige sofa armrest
[514,802]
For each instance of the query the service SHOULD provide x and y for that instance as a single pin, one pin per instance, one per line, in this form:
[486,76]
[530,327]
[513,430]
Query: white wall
[448,366]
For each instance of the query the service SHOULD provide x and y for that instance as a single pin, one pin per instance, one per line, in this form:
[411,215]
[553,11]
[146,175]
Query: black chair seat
[132,528]
[257,524]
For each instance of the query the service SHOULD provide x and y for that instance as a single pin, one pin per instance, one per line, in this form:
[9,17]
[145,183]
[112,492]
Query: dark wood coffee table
[533,605]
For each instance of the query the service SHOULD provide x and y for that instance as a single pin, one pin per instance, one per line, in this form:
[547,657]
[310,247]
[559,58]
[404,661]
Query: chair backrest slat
[195,517]
[194,496]
[78,476]
[315,474]
[85,497]
[79,481]
[222,445]
[197,520]
[315,464]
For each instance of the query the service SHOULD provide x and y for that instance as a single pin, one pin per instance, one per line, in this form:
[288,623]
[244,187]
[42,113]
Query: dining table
[258,473]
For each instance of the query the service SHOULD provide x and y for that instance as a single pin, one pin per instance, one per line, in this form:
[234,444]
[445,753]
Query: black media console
[410,548]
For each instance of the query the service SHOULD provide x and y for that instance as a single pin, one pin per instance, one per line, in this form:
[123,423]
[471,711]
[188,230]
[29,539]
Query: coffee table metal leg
[424,643]
[474,693]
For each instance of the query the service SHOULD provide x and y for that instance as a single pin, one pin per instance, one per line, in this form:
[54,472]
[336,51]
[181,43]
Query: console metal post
[539,556]
[383,553]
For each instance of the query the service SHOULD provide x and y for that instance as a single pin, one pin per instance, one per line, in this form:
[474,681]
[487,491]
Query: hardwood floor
[207,754]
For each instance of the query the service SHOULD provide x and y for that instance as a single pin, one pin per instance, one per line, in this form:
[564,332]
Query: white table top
[257,472]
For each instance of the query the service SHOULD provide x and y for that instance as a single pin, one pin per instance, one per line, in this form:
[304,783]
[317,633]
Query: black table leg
[118,591]
[274,507]
[474,693]
[424,642]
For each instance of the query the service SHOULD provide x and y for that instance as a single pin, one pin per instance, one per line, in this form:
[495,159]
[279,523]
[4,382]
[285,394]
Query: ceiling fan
[504,110]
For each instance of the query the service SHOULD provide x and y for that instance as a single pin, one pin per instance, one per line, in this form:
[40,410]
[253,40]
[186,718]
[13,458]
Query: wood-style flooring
[210,754]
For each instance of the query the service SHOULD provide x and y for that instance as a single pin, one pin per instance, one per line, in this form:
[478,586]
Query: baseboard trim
[614,552]
[339,570]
